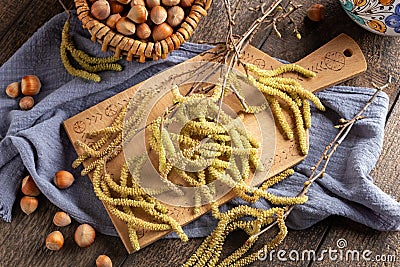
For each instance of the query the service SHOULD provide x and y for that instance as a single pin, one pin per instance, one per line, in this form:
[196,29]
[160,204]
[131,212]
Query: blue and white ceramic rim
[378,16]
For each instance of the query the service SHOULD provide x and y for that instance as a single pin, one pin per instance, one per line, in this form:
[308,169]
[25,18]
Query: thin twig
[65,7]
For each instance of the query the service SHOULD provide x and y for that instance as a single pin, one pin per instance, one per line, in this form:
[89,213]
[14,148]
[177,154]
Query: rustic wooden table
[22,241]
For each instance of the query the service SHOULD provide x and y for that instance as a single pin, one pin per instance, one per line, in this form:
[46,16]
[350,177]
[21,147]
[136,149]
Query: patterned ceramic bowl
[378,16]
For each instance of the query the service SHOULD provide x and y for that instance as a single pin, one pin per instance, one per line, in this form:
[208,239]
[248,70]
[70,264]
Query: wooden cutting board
[336,61]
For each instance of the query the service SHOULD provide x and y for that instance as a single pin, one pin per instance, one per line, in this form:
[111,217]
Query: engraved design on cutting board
[79,126]
[140,233]
[249,58]
[93,118]
[319,66]
[334,60]
[111,110]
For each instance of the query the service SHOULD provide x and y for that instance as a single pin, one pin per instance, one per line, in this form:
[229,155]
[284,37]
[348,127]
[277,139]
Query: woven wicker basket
[132,48]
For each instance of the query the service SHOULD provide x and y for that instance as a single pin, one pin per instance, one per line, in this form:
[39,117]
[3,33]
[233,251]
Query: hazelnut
[115,7]
[161,32]
[152,3]
[29,188]
[103,261]
[63,179]
[138,14]
[137,2]
[100,9]
[158,14]
[186,3]
[13,90]
[125,2]
[143,31]
[61,219]
[30,85]
[55,241]
[112,20]
[170,2]
[26,103]
[316,12]
[28,204]
[125,26]
[84,235]
[175,16]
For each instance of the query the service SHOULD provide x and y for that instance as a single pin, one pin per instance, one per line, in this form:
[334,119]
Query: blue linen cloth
[35,140]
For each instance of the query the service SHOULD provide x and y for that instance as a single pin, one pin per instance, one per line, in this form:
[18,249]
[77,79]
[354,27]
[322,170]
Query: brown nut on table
[29,187]
[61,219]
[103,261]
[28,204]
[63,179]
[84,235]
[316,12]
[26,103]
[13,90]
[30,85]
[55,241]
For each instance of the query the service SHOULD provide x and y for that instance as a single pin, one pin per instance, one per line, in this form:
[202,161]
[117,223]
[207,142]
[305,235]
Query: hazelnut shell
[55,241]
[29,187]
[175,16]
[125,26]
[100,9]
[138,14]
[158,15]
[316,12]
[84,235]
[30,85]
[63,179]
[28,204]
[61,219]
[161,32]
[143,31]
[103,261]
[13,90]
[26,103]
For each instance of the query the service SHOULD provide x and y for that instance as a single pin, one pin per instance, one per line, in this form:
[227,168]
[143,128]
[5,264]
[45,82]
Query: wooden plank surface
[22,241]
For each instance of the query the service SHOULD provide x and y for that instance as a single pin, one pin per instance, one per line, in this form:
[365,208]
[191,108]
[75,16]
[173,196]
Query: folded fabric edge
[5,213]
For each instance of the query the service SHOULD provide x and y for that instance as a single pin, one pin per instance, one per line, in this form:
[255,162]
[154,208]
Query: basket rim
[134,48]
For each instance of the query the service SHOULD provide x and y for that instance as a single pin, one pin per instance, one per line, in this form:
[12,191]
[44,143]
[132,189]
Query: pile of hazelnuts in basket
[152,20]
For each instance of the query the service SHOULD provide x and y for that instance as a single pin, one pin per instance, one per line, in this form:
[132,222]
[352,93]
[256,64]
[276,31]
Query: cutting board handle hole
[348,52]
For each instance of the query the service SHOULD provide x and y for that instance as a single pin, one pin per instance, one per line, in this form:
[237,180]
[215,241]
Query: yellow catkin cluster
[218,159]
[90,65]
[289,91]
[209,252]
[125,195]
[122,198]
